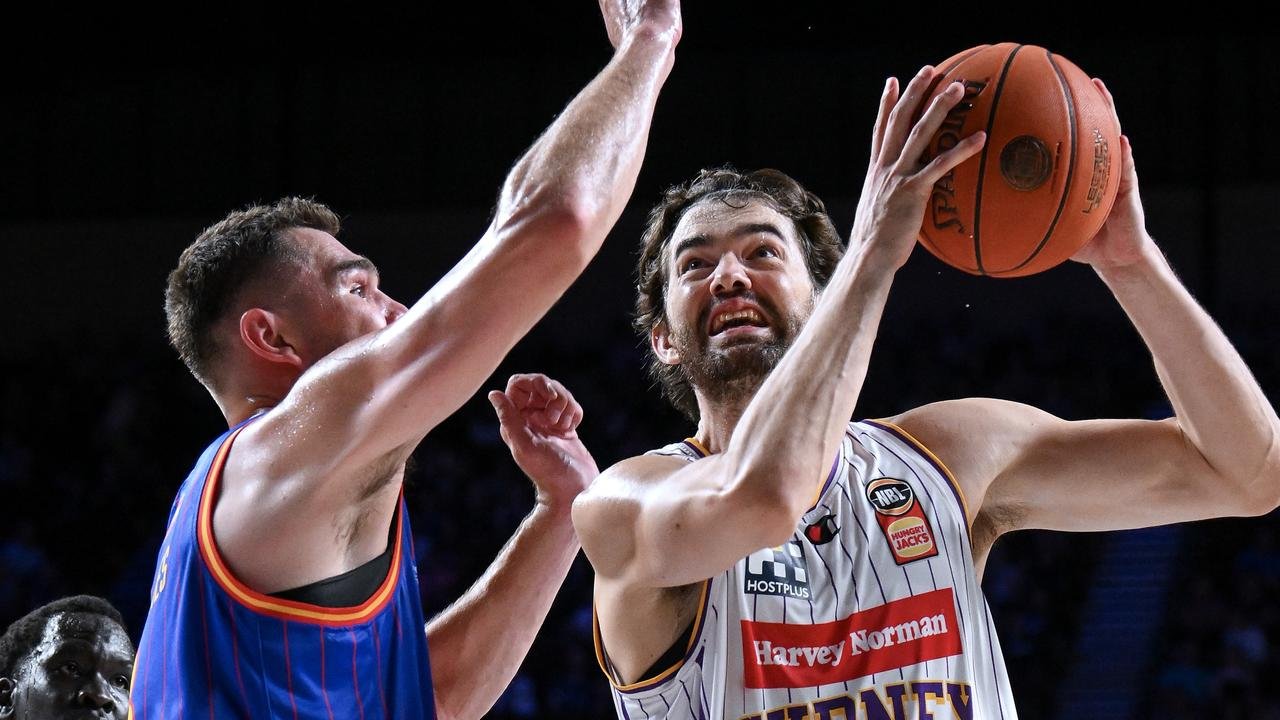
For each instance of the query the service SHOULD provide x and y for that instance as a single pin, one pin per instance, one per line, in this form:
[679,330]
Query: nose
[392,310]
[730,276]
[96,695]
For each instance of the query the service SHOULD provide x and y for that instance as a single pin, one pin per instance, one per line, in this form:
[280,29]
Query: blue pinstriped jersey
[214,648]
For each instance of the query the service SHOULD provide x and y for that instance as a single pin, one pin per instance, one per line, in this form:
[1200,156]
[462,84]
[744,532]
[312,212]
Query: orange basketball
[1043,184]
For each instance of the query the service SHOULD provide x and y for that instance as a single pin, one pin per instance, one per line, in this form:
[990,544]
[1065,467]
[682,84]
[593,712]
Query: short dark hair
[22,636]
[222,259]
[821,243]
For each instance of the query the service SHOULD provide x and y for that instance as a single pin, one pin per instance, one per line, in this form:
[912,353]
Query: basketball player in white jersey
[785,563]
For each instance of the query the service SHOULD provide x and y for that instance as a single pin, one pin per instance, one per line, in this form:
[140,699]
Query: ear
[660,341]
[260,331]
[7,688]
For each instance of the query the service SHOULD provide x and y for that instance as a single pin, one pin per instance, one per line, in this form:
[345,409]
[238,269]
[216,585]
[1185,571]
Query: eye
[766,251]
[71,668]
[120,681]
[358,290]
[692,264]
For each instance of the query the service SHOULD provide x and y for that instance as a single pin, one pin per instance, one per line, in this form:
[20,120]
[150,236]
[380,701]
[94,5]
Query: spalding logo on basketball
[1042,185]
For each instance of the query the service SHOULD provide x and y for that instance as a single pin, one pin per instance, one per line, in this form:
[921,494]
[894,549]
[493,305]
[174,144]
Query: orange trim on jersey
[272,606]
[133,678]
[920,447]
[700,620]
[698,446]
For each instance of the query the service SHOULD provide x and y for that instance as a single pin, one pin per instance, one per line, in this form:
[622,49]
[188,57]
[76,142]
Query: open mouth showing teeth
[738,318]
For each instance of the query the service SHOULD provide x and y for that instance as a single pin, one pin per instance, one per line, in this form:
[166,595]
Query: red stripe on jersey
[377,656]
[137,663]
[355,674]
[235,652]
[164,666]
[324,691]
[288,670]
[208,661]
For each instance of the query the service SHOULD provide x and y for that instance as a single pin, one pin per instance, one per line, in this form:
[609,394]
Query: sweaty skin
[79,669]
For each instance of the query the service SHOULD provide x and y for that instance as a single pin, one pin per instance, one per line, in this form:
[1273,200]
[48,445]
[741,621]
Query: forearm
[586,162]
[479,642]
[791,430]
[1220,407]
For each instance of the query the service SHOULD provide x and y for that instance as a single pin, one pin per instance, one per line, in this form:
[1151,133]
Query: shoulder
[975,438]
[954,425]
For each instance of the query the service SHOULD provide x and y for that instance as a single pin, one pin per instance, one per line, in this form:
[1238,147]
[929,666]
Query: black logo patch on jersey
[778,571]
[822,531]
[890,496]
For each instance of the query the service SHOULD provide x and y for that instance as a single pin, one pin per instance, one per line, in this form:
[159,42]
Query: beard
[733,372]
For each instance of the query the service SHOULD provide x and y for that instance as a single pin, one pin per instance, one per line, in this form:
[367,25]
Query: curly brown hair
[225,256]
[822,246]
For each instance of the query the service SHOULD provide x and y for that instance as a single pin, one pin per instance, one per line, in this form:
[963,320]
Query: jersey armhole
[606,666]
[933,460]
[275,607]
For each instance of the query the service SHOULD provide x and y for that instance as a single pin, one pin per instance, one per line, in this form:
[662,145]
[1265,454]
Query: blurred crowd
[95,440]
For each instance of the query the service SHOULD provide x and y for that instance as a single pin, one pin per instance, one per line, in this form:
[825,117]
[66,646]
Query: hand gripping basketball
[898,184]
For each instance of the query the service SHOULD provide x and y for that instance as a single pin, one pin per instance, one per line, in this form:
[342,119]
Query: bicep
[1021,467]
[1096,475]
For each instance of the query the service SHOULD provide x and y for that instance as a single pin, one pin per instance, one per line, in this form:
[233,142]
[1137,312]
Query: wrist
[651,37]
[1144,262]
[875,264]
[553,506]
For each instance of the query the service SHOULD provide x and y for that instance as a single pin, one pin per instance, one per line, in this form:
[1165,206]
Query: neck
[718,418]
[238,408]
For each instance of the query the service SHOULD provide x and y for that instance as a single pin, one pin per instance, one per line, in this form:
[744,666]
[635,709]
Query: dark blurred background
[121,137]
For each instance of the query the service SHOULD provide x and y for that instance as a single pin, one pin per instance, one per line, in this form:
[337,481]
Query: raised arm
[658,522]
[1218,456]
[506,607]
[369,402]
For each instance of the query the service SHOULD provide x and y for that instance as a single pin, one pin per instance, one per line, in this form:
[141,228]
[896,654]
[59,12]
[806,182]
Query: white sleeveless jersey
[871,611]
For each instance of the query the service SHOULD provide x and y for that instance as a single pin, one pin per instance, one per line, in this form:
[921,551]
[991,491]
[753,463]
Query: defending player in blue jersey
[285,587]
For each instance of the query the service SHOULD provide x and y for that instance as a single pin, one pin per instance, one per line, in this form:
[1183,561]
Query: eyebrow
[357,263]
[697,241]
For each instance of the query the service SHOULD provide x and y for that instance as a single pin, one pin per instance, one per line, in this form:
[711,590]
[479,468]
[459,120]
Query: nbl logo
[778,571]
[902,520]
[890,496]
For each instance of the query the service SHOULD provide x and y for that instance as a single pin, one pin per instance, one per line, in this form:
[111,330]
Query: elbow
[566,226]
[1259,490]
[1264,491]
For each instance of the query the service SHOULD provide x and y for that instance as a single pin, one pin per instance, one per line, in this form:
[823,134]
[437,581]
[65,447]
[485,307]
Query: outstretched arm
[556,207]
[506,607]
[1218,456]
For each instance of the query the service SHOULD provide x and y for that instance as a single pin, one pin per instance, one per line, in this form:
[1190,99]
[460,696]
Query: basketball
[1044,182]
